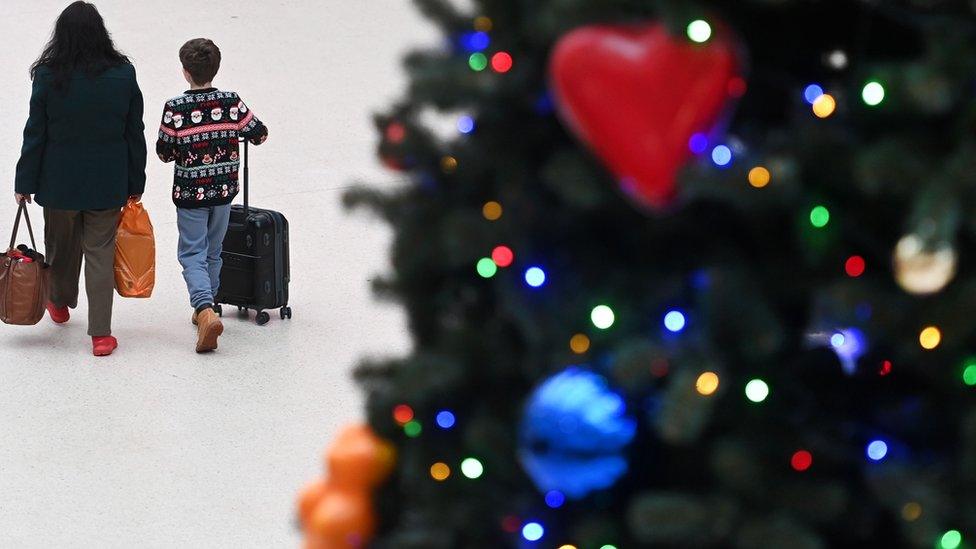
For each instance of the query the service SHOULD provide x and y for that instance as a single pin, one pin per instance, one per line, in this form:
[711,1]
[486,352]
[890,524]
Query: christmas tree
[686,273]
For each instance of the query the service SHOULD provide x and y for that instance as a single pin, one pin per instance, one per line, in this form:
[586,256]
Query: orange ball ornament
[309,499]
[359,459]
[343,519]
[315,542]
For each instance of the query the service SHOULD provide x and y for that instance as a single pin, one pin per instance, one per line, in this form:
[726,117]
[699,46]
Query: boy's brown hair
[200,58]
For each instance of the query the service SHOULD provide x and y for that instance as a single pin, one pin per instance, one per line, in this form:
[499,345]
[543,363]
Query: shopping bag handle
[13,237]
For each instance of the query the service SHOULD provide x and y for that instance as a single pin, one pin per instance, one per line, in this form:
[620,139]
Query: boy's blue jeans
[202,233]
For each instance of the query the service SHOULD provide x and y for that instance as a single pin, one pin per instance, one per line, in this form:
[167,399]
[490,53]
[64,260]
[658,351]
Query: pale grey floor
[159,447]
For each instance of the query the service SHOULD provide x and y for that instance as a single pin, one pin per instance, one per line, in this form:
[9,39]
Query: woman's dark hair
[80,42]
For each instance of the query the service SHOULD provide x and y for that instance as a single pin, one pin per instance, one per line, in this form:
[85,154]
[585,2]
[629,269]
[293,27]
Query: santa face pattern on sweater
[200,131]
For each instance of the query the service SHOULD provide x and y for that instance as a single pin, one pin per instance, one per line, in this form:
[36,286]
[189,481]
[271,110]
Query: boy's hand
[21,198]
[136,197]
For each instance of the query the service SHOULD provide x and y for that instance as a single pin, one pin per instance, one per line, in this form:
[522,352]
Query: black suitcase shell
[256,269]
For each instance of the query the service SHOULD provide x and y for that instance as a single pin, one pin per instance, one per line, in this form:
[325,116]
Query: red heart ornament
[637,94]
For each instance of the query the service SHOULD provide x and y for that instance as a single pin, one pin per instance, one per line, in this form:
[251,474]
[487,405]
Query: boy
[200,132]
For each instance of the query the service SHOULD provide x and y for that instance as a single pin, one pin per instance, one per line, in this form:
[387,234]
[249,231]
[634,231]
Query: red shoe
[59,315]
[104,345]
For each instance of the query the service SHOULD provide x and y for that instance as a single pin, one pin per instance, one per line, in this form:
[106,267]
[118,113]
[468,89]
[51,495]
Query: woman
[84,155]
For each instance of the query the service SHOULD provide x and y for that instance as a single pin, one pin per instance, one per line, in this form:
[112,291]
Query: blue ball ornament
[574,434]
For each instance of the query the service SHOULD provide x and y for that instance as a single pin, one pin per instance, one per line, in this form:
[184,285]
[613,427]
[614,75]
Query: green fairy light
[412,429]
[951,540]
[819,217]
[487,267]
[478,61]
[602,317]
[873,94]
[969,373]
[472,468]
[699,31]
[757,390]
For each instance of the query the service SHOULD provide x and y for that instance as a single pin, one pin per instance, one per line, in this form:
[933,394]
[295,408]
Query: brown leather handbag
[24,279]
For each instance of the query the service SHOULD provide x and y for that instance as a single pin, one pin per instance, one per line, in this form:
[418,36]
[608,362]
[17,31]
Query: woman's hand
[21,198]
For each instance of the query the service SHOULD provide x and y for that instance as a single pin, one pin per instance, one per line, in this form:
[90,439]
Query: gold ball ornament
[922,271]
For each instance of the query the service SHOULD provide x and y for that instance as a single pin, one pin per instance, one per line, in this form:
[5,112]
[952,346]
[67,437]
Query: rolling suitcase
[256,267]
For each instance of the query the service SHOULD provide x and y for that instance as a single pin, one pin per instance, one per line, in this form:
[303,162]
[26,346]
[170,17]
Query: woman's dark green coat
[84,147]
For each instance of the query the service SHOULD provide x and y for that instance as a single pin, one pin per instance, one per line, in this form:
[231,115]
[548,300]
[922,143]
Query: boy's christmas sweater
[200,131]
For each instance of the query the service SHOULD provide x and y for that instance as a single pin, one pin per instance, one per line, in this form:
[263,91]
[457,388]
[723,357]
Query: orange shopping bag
[135,252]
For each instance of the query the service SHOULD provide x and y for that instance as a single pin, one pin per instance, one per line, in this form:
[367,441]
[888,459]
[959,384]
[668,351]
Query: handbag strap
[30,230]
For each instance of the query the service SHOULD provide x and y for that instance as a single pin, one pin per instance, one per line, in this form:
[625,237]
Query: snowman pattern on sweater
[200,132]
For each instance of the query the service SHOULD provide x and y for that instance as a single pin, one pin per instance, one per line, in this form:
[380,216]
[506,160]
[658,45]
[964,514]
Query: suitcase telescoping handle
[246,155]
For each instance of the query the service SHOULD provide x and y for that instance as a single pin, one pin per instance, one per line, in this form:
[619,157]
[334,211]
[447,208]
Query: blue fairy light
[475,41]
[535,277]
[445,419]
[465,124]
[533,531]
[722,155]
[837,340]
[674,321]
[698,143]
[812,92]
[877,450]
[555,499]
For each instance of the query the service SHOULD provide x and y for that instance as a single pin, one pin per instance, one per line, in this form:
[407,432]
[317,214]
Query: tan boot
[209,329]
[193,319]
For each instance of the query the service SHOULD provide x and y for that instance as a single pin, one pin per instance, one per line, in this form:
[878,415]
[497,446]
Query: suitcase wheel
[263,318]
[285,312]
[219,310]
